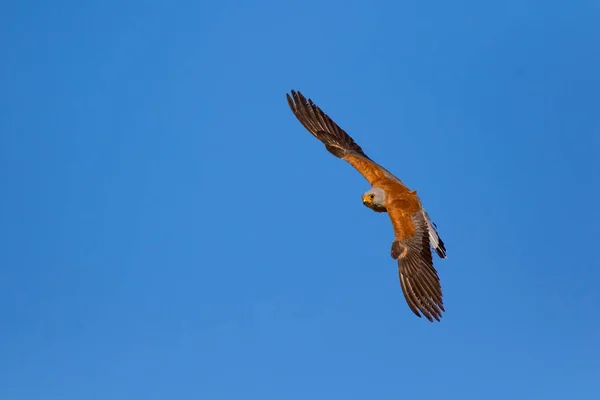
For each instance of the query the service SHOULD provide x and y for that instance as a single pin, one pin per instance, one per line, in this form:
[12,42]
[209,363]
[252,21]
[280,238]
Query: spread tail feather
[434,238]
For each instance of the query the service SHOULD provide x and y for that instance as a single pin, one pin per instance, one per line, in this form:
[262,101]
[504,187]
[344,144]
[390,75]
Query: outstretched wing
[338,142]
[418,278]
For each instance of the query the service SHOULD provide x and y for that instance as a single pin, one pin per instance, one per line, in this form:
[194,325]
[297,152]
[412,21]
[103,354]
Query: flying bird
[415,234]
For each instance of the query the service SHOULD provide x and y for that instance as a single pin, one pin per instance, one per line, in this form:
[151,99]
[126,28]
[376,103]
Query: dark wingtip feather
[321,126]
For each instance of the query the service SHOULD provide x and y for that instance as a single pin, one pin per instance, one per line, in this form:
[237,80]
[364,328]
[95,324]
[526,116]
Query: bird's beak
[366,200]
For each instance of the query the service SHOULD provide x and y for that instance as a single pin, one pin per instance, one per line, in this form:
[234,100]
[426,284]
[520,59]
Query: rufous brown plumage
[415,234]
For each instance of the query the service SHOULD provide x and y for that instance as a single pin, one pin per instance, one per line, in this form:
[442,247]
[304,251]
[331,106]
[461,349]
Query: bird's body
[415,234]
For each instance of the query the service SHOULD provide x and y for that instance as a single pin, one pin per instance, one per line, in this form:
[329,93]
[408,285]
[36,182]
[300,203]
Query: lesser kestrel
[415,234]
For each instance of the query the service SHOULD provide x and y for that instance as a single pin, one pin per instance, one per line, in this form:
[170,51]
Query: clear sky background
[170,231]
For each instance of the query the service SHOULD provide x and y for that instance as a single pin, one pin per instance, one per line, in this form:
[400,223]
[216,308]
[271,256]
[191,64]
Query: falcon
[415,233]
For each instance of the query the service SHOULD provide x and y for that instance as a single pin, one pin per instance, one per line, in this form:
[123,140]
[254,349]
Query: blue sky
[169,230]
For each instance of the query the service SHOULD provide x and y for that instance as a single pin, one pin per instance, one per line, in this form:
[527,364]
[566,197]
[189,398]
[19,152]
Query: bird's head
[375,199]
